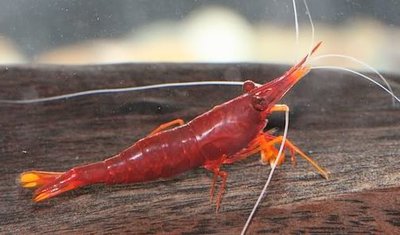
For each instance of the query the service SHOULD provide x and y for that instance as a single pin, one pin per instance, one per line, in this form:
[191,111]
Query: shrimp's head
[266,96]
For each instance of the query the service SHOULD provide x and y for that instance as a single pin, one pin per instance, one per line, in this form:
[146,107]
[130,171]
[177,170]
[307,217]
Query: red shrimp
[227,133]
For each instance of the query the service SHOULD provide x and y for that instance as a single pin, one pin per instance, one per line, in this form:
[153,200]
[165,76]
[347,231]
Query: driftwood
[347,125]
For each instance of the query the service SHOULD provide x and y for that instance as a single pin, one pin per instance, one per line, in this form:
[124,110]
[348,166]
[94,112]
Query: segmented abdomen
[159,156]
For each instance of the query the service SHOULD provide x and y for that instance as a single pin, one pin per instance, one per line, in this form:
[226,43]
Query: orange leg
[269,151]
[280,108]
[294,149]
[265,143]
[164,126]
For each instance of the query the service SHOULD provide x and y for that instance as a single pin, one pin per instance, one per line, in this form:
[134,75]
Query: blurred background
[121,31]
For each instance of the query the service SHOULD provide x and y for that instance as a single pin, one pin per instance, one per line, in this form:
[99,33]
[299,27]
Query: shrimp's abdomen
[159,156]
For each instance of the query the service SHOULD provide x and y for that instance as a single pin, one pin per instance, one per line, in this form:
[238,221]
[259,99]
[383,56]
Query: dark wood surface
[347,125]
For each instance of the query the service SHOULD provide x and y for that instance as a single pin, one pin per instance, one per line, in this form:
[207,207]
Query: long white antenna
[119,90]
[296,22]
[264,190]
[296,25]
[361,75]
[312,29]
[358,62]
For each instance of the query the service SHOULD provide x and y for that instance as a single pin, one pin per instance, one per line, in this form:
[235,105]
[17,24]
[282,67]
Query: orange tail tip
[34,179]
[51,191]
[65,182]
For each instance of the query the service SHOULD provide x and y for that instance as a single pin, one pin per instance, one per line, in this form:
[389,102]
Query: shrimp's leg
[265,143]
[215,168]
[280,108]
[166,125]
[285,108]
[34,179]
[268,147]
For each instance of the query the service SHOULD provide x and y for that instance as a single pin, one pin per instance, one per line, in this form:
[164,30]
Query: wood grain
[347,125]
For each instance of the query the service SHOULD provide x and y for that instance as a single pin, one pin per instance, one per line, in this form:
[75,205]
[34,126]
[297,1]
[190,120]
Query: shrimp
[227,133]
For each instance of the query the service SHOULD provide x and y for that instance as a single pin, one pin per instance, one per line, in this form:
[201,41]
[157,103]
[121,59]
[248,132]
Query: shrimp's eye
[259,103]
[248,86]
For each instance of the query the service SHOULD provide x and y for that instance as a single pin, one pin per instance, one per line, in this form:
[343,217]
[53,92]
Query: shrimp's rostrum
[227,133]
